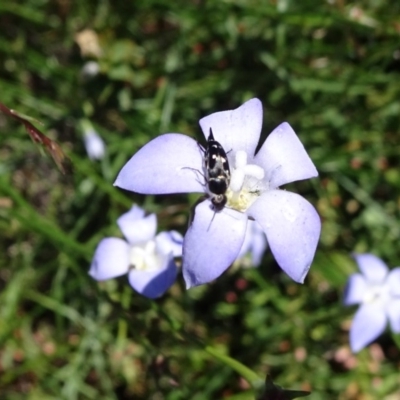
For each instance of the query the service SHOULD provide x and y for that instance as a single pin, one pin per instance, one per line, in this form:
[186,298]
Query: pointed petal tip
[355,344]
[255,102]
[355,349]
[190,280]
[116,183]
[119,182]
[303,276]
[300,278]
[188,285]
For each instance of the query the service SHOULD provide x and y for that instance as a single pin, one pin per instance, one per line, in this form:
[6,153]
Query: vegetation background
[330,68]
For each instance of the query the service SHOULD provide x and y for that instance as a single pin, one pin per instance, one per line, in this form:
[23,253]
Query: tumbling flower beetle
[217,172]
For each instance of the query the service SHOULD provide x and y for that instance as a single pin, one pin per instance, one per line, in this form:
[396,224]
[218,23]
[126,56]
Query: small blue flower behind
[377,290]
[147,258]
[254,245]
[94,144]
[174,163]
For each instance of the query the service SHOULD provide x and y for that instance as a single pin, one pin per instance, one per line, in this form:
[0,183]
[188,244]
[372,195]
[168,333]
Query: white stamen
[254,171]
[144,257]
[237,179]
[240,159]
[246,183]
[243,170]
[373,294]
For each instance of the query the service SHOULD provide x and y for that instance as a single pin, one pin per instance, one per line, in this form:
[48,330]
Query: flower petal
[393,280]
[170,242]
[255,242]
[292,226]
[355,289]
[137,228]
[372,267]
[284,157]
[171,163]
[393,312]
[111,259]
[94,145]
[258,248]
[369,322]
[237,129]
[212,243]
[153,284]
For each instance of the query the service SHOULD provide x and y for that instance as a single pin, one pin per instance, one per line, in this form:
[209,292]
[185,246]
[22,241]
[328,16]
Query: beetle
[217,172]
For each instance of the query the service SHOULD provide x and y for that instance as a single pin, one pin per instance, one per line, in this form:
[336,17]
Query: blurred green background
[331,69]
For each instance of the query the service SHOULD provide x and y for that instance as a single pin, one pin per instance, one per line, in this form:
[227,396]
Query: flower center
[246,183]
[144,257]
[375,294]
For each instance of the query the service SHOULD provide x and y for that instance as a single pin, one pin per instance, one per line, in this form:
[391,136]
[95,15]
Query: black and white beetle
[217,172]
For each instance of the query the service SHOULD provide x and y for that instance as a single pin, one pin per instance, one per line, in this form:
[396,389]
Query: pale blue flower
[377,290]
[94,144]
[173,163]
[147,258]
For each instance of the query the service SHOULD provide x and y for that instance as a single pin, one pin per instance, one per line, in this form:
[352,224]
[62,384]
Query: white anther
[237,179]
[238,175]
[240,159]
[144,257]
[254,171]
